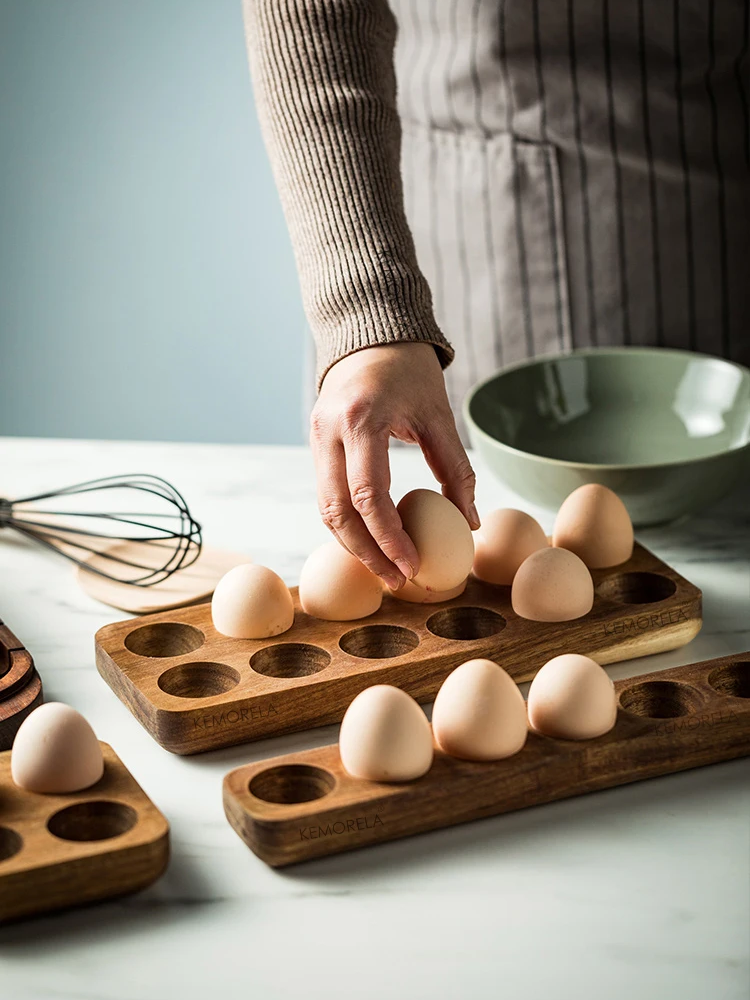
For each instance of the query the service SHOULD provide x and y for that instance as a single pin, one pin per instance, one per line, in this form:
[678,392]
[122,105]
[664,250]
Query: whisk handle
[6,511]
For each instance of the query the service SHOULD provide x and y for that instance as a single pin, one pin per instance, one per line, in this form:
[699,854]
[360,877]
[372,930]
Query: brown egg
[594,523]
[552,585]
[479,713]
[506,538]
[55,751]
[441,536]
[335,586]
[252,602]
[385,736]
[572,698]
[417,595]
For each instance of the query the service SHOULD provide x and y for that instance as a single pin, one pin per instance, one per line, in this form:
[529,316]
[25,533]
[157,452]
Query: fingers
[369,478]
[366,397]
[450,465]
[341,517]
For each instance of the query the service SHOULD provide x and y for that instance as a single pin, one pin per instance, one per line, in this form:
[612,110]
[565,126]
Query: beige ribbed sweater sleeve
[326,94]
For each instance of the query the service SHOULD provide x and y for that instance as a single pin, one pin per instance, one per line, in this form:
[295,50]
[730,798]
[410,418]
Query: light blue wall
[147,285]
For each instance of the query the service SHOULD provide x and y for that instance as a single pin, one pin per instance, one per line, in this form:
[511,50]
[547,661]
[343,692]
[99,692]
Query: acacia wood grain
[58,851]
[20,685]
[304,805]
[194,689]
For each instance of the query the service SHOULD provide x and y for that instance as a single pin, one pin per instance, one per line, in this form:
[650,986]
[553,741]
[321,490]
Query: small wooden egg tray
[304,805]
[58,851]
[20,686]
[194,689]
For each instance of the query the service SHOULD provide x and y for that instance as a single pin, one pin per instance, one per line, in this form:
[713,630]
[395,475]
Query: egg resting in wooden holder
[304,805]
[62,850]
[196,690]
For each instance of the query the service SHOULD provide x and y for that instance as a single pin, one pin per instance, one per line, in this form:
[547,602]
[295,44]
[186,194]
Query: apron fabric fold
[577,174]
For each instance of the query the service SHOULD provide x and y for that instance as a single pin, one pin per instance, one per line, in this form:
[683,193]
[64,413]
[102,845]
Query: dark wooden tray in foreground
[20,686]
[58,851]
[194,689]
[304,805]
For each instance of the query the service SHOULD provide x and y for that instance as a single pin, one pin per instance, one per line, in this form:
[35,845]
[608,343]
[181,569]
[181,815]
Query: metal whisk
[154,544]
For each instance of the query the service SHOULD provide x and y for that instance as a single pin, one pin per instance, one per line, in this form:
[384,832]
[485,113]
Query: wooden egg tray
[194,689]
[304,805]
[20,686]
[58,851]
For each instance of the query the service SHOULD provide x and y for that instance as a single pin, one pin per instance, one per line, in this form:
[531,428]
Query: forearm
[325,89]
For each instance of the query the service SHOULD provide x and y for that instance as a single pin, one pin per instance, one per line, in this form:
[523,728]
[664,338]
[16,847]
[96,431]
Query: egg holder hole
[67,849]
[376,642]
[194,689]
[10,843]
[87,821]
[297,659]
[644,743]
[291,784]
[162,639]
[661,699]
[198,680]
[465,623]
[732,680]
[290,659]
[636,588]
[96,819]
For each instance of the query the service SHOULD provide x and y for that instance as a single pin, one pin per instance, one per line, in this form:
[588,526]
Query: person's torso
[577,173]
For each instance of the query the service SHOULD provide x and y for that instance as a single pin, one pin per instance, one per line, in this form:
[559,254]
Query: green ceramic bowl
[669,431]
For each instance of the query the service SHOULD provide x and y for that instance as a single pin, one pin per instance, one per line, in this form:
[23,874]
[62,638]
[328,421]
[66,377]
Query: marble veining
[638,891]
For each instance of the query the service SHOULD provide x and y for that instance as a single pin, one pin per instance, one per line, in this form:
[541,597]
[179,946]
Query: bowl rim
[599,351]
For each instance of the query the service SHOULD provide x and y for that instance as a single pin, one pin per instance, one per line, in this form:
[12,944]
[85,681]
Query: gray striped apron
[577,173]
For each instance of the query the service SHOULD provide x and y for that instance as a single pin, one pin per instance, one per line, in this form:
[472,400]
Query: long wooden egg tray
[194,689]
[58,851]
[304,805]
[20,686]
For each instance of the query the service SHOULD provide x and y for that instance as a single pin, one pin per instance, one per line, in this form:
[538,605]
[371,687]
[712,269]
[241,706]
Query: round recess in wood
[661,699]
[10,843]
[291,783]
[465,623]
[636,588]
[290,659]
[199,680]
[379,642]
[98,819]
[732,679]
[164,639]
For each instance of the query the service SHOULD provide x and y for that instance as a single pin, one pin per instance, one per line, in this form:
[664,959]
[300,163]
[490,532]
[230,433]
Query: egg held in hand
[418,595]
[385,736]
[56,751]
[334,585]
[252,602]
[479,713]
[552,585]
[594,523]
[506,538]
[441,536]
[572,698]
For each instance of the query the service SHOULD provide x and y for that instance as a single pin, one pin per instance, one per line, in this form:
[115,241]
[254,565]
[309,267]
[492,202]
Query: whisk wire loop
[172,540]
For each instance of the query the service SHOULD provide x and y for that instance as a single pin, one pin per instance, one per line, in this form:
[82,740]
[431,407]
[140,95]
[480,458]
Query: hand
[392,390]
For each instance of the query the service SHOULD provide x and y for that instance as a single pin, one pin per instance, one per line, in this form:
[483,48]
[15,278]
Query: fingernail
[474,515]
[393,581]
[406,568]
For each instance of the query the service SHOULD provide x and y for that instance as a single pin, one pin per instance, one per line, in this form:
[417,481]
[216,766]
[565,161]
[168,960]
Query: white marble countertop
[640,891]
